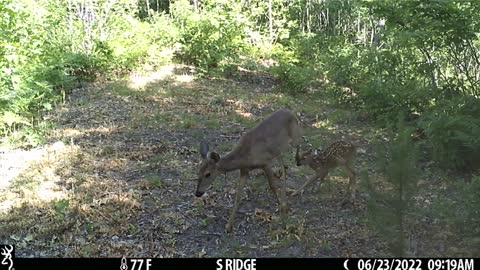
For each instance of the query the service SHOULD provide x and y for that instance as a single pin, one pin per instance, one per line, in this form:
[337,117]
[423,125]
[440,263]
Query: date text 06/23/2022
[413,264]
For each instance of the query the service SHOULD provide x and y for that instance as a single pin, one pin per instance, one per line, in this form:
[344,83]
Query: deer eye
[207,175]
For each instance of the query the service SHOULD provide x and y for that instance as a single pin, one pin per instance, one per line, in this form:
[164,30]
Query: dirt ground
[118,176]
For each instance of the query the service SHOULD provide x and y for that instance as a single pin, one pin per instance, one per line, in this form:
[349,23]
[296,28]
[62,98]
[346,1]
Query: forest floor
[118,177]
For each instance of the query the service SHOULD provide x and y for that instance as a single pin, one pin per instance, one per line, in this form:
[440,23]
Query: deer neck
[230,162]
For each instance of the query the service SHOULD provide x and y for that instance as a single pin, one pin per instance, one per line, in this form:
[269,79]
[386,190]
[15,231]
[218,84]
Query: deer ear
[203,149]
[214,156]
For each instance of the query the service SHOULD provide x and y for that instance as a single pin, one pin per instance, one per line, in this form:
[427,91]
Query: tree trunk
[308,17]
[270,20]
[148,7]
[195,5]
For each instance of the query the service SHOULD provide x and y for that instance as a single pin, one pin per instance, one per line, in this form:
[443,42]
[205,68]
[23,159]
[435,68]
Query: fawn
[337,154]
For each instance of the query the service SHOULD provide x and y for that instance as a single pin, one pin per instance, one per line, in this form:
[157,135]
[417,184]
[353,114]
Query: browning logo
[7,253]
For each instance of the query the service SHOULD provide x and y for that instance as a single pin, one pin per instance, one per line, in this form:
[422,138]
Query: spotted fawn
[337,154]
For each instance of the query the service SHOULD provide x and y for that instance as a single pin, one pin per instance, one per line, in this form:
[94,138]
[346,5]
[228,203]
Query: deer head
[300,158]
[208,169]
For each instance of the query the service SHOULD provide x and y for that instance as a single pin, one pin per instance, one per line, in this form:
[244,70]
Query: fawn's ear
[203,149]
[214,156]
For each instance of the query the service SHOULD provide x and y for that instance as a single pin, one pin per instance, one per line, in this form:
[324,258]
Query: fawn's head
[208,169]
[301,158]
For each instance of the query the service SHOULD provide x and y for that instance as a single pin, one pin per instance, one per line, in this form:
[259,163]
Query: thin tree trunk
[70,22]
[270,20]
[308,17]
[431,61]
[148,7]
[195,5]
[401,233]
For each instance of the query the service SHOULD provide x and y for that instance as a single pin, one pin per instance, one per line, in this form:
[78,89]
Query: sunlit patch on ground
[322,124]
[124,183]
[15,162]
[60,196]
[244,114]
[168,72]
[29,175]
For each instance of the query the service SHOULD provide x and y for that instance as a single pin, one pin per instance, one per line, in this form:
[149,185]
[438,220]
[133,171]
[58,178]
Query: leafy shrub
[294,75]
[390,210]
[384,83]
[211,40]
[452,129]
[458,206]
[47,48]
[295,79]
[468,213]
[141,43]
[21,94]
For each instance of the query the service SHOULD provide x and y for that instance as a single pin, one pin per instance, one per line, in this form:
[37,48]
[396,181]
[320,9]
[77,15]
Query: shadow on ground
[123,181]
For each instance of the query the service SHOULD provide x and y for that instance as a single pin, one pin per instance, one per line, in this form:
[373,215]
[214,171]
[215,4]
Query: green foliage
[46,49]
[212,39]
[149,43]
[458,206]
[22,93]
[452,129]
[468,213]
[295,79]
[61,208]
[390,209]
[294,76]
[419,59]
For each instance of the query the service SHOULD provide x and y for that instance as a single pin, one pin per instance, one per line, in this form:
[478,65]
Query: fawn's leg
[351,174]
[318,175]
[352,185]
[238,197]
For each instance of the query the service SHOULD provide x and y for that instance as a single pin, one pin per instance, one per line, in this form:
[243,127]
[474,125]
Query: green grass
[341,116]
[107,151]
[155,180]
[123,90]
[212,123]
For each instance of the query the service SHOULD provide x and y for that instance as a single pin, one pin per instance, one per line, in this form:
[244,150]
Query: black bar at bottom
[248,264]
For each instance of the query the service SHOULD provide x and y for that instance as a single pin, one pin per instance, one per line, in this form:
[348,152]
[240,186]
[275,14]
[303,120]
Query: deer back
[267,140]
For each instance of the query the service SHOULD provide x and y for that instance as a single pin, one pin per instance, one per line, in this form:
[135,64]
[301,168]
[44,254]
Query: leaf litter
[123,182]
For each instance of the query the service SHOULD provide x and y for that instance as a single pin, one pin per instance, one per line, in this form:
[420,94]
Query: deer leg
[352,182]
[320,176]
[283,191]
[238,197]
[271,182]
[351,174]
